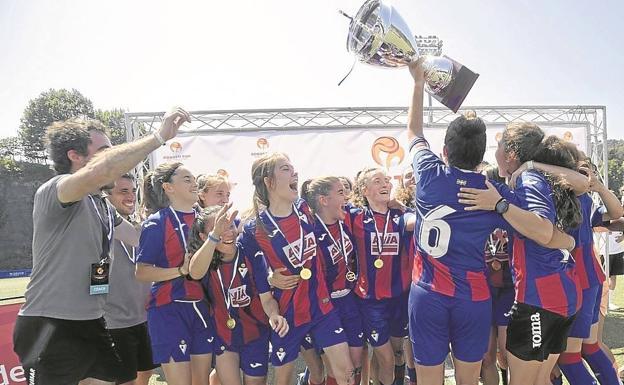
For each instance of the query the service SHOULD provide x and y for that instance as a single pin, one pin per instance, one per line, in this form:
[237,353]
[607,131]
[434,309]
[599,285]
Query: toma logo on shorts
[536,330]
[387,152]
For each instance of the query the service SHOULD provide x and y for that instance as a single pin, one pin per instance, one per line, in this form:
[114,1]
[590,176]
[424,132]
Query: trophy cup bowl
[379,36]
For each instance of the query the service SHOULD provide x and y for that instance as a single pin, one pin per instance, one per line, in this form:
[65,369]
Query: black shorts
[55,351]
[535,333]
[616,264]
[134,348]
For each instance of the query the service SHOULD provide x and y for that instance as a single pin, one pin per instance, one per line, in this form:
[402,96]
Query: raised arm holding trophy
[379,36]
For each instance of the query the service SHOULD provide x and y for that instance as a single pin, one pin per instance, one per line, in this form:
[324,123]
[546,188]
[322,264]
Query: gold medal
[351,276]
[230,323]
[305,273]
[378,263]
[496,265]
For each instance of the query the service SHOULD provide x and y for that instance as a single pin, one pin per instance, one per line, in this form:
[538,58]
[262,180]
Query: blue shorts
[502,301]
[382,318]
[324,332]
[253,356]
[400,319]
[588,314]
[350,319]
[179,330]
[437,320]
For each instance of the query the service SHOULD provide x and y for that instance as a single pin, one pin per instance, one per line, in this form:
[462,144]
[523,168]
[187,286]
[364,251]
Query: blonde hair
[311,189]
[263,167]
[208,182]
[361,179]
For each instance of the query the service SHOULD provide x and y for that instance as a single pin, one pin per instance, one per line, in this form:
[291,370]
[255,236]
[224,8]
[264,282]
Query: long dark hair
[555,151]
[154,197]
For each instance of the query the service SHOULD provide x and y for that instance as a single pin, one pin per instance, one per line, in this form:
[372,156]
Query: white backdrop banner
[339,152]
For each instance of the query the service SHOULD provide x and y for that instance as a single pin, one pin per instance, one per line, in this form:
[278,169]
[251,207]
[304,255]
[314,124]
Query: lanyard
[300,241]
[180,231]
[132,257]
[226,296]
[380,240]
[340,246]
[107,236]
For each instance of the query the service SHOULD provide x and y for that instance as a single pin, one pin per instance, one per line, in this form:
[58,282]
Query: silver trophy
[379,36]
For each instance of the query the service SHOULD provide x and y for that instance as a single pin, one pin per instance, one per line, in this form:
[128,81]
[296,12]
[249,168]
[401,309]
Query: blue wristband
[213,239]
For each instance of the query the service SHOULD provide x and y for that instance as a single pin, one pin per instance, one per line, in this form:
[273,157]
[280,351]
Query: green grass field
[613,337]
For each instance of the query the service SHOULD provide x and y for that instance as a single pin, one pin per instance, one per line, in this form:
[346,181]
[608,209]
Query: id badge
[99,278]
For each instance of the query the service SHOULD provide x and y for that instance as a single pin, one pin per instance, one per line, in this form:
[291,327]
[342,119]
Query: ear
[74,156]
[268,182]
[445,154]
[203,237]
[167,187]
[322,200]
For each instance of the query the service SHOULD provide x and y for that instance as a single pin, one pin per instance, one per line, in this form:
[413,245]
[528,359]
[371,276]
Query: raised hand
[172,121]
[224,220]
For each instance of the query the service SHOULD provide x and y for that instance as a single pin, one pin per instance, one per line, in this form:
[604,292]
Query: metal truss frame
[359,118]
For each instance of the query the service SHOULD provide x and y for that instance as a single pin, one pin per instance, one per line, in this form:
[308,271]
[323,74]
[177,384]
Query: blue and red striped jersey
[368,228]
[237,282]
[338,251]
[310,299]
[161,245]
[450,249]
[588,269]
[543,277]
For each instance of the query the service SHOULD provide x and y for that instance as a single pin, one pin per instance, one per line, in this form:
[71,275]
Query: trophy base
[463,79]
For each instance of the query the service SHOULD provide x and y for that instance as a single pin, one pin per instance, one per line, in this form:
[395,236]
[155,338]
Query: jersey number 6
[435,233]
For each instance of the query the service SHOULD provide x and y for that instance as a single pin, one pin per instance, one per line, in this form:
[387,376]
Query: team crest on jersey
[243,270]
[309,250]
[239,297]
[336,253]
[390,244]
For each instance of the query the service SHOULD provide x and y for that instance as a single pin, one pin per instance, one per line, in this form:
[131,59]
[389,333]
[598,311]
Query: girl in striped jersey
[177,315]
[583,338]
[547,291]
[242,332]
[326,199]
[282,236]
[383,238]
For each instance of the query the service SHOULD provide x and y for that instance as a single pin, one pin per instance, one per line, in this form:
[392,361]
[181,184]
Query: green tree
[50,106]
[113,119]
[616,165]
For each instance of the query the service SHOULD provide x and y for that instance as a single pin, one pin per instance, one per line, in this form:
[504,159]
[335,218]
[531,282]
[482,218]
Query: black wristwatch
[501,206]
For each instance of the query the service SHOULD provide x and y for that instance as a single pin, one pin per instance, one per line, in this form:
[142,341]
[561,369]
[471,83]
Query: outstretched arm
[112,163]
[415,113]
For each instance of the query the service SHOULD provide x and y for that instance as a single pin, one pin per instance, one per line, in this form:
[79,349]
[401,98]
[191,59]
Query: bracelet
[212,238]
[530,165]
[159,138]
